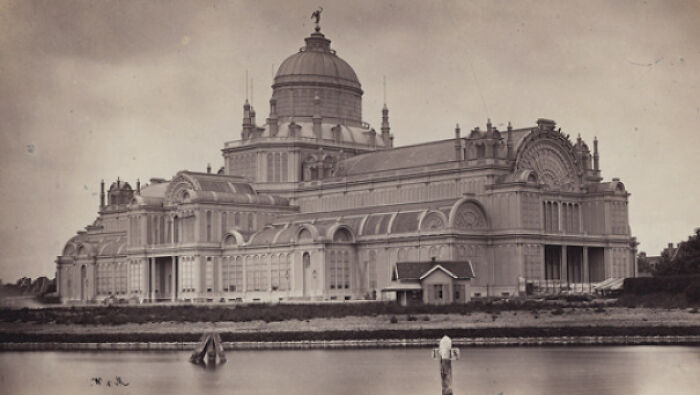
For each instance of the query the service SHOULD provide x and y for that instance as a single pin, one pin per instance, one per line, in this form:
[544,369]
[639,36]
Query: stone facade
[316,205]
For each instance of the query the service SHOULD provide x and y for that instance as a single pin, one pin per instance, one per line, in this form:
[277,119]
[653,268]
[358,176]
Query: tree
[685,260]
[643,264]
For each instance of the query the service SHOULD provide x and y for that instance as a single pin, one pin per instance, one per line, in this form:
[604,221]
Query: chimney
[596,157]
[208,168]
[458,144]
[272,121]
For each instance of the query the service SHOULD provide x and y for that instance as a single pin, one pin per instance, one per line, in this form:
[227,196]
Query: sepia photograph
[349,197]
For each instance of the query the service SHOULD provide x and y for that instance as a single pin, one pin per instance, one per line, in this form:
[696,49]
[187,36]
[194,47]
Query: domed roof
[316,63]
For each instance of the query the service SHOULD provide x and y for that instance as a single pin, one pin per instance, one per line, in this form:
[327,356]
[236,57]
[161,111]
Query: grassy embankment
[515,318]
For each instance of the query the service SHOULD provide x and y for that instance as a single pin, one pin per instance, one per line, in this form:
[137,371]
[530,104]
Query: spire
[386,129]
[509,142]
[247,125]
[596,157]
[252,117]
[102,194]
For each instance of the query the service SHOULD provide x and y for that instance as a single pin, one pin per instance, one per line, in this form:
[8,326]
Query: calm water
[571,370]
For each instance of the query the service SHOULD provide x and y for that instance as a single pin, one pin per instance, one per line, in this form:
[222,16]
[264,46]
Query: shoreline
[372,338]
[565,326]
[688,340]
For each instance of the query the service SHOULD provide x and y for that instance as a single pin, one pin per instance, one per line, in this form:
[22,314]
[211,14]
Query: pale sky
[93,90]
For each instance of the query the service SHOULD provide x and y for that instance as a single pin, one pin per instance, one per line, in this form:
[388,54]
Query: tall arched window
[269,167]
[372,270]
[480,151]
[208,225]
[278,166]
[176,230]
[346,269]
[223,223]
[168,230]
[155,230]
[284,170]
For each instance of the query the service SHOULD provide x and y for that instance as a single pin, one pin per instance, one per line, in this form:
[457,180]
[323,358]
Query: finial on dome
[317,16]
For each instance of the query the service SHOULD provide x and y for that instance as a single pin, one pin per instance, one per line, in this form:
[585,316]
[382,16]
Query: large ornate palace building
[317,205]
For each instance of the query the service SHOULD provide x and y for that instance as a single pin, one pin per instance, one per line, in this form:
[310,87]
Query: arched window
[342,236]
[305,235]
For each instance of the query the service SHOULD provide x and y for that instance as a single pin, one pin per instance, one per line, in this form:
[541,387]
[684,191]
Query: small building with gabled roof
[432,282]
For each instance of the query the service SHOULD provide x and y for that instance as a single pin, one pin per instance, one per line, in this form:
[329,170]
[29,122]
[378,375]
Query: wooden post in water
[199,351]
[211,346]
[211,352]
[445,354]
[218,345]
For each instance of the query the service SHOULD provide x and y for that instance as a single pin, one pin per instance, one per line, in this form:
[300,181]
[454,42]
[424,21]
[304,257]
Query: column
[173,277]
[563,273]
[585,276]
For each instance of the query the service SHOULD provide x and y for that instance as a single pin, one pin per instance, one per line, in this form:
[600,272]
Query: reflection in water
[553,370]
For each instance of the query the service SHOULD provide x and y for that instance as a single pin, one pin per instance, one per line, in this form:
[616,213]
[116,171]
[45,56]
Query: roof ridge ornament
[317,16]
